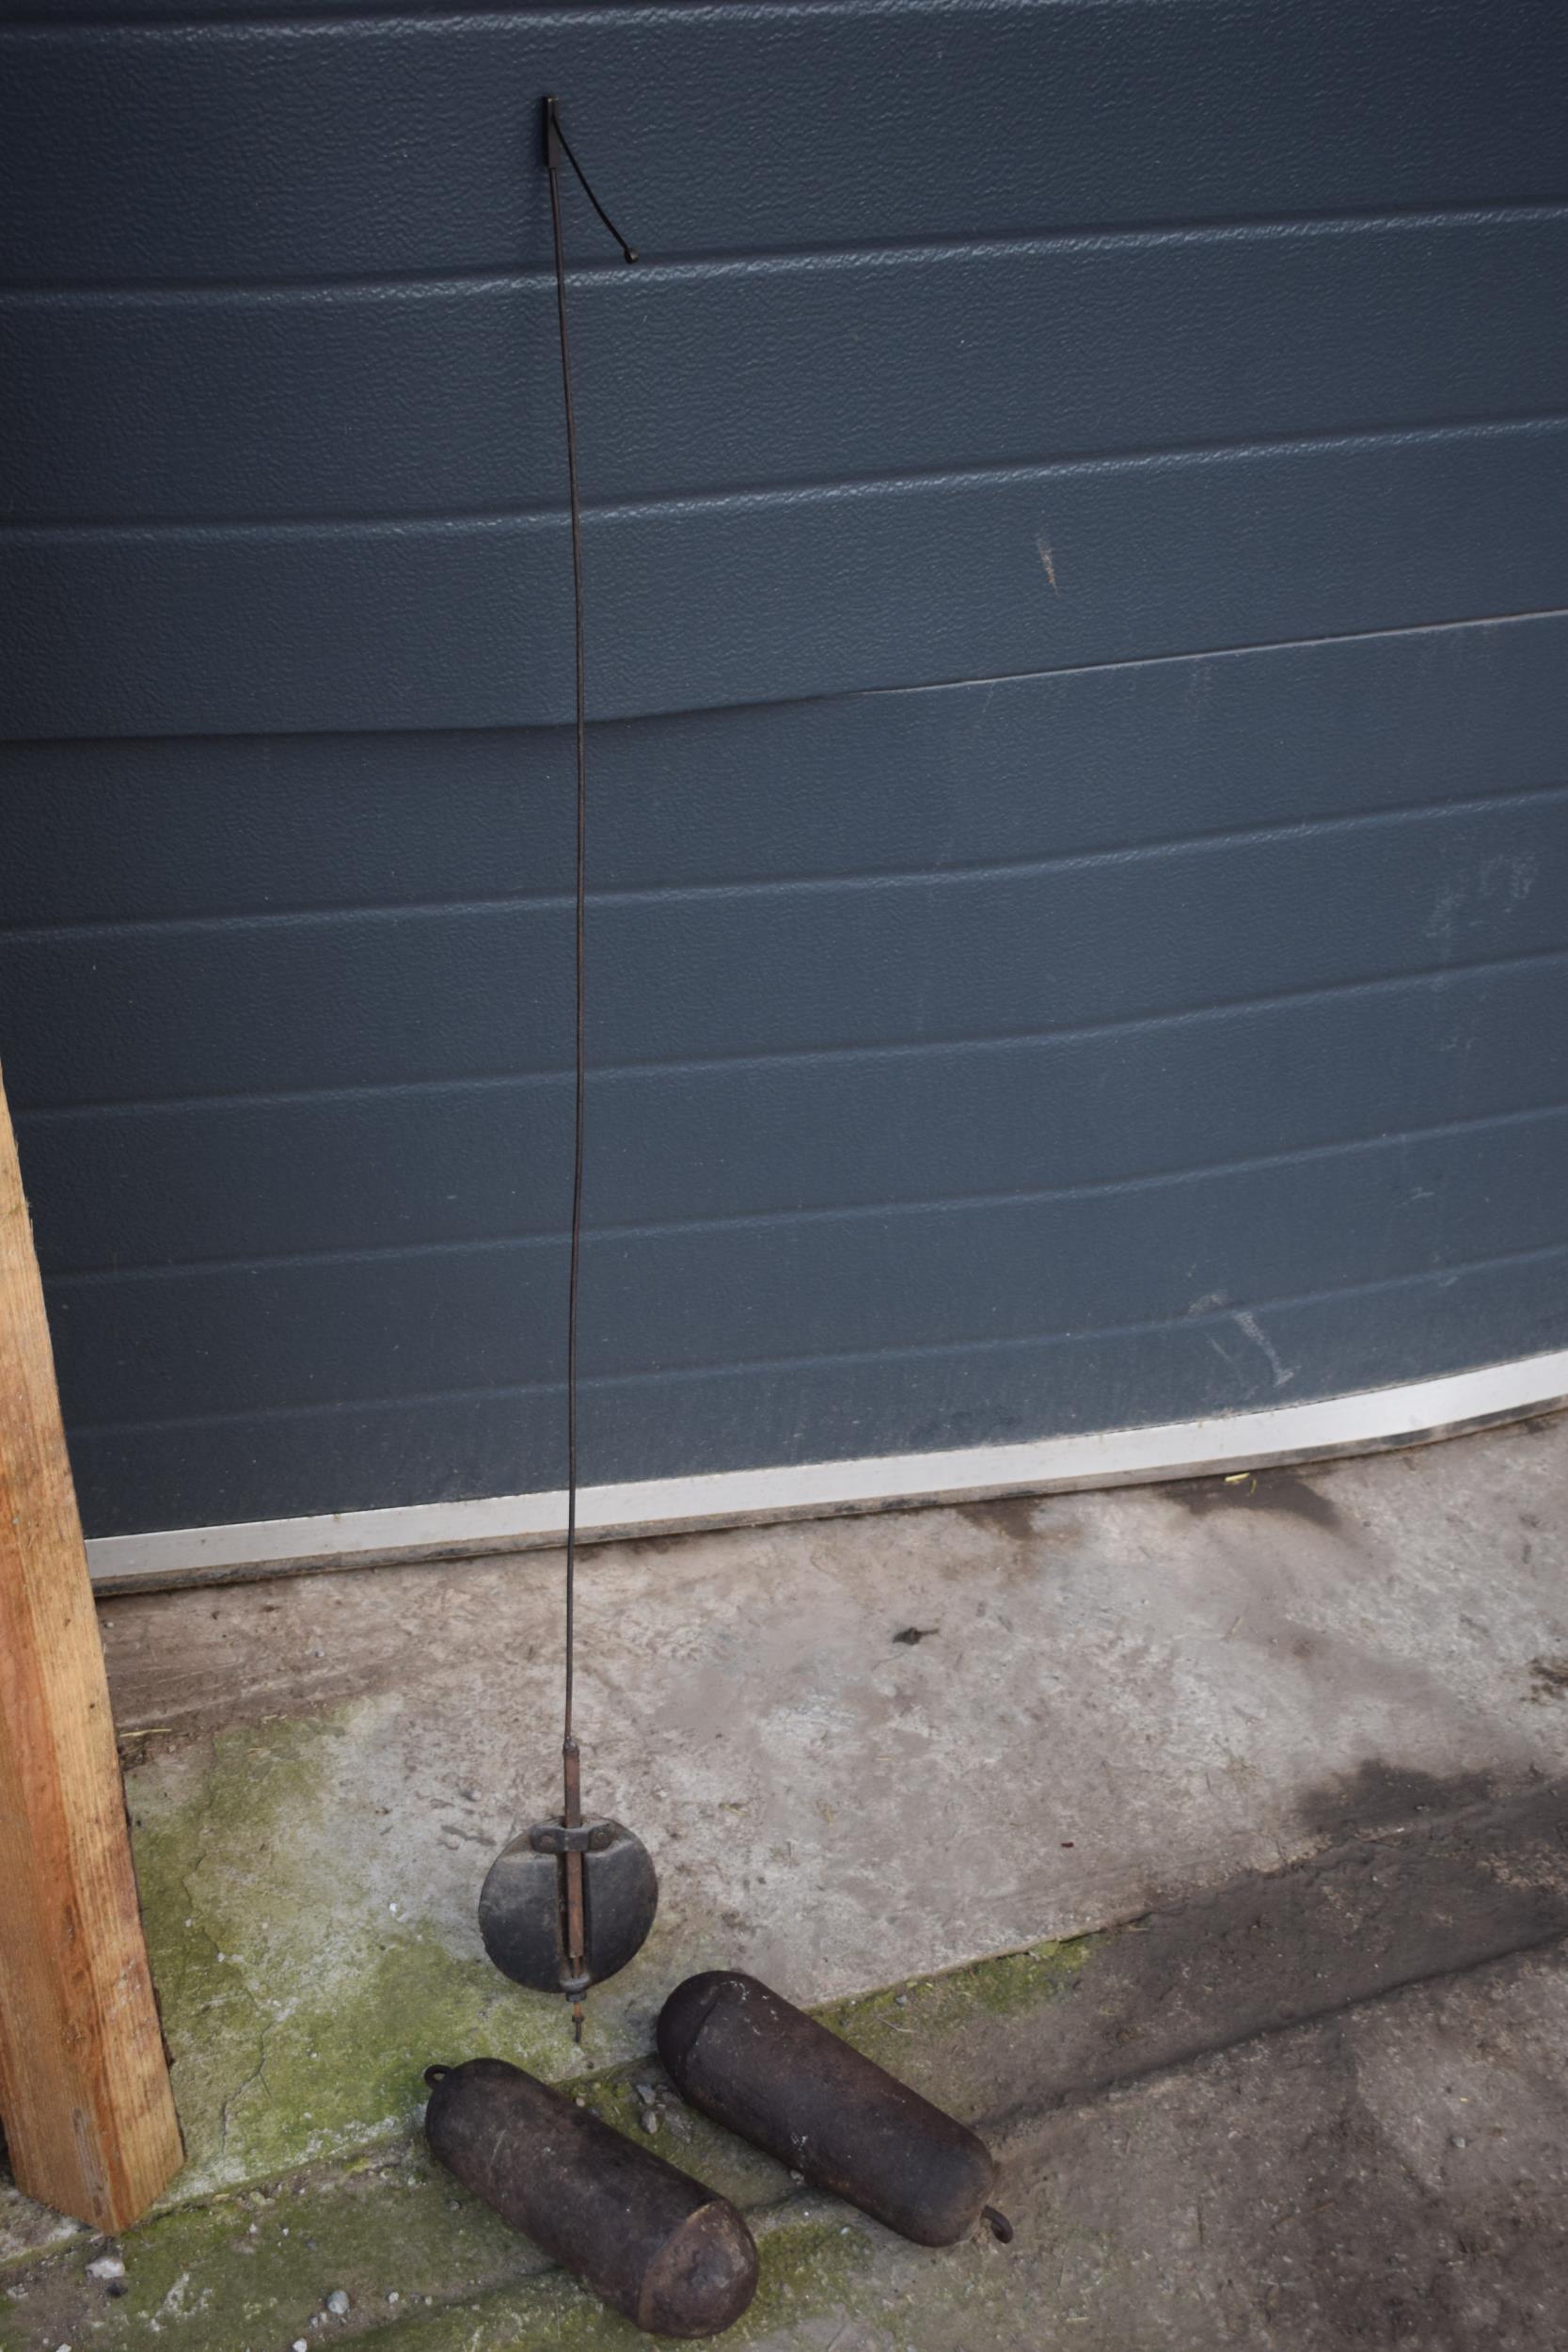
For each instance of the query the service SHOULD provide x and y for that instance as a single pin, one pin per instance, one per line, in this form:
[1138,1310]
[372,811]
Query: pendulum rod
[570,1900]
[575,1976]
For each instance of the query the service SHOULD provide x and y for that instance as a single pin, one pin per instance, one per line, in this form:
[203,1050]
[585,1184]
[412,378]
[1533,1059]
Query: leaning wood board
[84,2092]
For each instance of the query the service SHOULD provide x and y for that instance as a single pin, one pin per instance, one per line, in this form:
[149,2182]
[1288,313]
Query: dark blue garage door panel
[453,1162]
[1077,943]
[1007,771]
[668,1305]
[768,594]
[974,1392]
[414,397]
[1081,764]
[328,147]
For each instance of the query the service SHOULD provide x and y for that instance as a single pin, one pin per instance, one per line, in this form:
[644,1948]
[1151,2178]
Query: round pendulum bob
[523,1905]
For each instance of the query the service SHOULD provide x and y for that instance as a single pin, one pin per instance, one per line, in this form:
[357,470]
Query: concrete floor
[1171,1706]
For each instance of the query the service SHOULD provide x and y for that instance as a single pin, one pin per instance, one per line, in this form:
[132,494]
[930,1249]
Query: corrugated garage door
[1077,565]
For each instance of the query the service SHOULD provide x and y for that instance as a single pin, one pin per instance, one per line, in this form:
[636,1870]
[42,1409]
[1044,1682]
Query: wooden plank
[83,2083]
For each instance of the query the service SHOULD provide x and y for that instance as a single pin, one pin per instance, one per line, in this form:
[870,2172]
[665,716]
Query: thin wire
[555,135]
[577,1973]
[627,253]
[580,995]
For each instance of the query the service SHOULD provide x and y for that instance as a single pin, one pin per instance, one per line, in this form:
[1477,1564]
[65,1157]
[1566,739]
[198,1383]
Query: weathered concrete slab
[1397,2175]
[1389,2172]
[392,2232]
[1115,1701]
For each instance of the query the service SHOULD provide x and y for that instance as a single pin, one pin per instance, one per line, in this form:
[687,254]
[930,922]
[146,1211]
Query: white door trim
[1372,1418]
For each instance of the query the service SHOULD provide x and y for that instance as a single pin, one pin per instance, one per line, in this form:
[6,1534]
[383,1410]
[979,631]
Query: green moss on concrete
[222,2273]
[300,2009]
[235,2272]
[302,1996]
[883,2024]
[28,2231]
[683,2137]
[825,2272]
[428,2269]
[410,2250]
[255,2269]
[808,2262]
[304,1993]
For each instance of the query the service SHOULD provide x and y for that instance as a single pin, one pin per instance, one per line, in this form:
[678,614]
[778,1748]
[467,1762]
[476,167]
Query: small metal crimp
[582,1838]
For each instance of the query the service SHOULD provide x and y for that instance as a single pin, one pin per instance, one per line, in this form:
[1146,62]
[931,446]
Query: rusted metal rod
[574,1978]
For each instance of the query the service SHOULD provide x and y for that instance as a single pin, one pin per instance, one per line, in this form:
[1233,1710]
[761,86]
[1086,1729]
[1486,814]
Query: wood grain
[84,2092]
